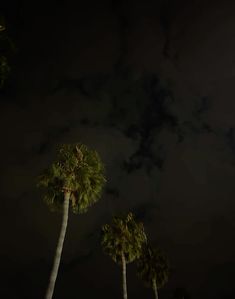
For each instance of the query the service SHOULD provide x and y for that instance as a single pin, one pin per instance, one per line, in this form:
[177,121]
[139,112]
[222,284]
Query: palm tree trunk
[54,272]
[155,288]
[124,285]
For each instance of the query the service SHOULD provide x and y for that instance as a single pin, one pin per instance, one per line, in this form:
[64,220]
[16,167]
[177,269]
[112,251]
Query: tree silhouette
[153,268]
[77,177]
[2,23]
[4,48]
[122,240]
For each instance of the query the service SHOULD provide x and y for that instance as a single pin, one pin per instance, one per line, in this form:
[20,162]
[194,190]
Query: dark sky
[150,86]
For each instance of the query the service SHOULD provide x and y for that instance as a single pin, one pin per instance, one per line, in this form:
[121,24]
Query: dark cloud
[139,107]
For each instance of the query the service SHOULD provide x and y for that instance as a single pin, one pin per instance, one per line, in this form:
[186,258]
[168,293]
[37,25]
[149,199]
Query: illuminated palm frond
[78,170]
[123,235]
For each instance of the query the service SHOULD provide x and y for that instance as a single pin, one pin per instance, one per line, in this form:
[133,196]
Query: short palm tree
[153,268]
[77,177]
[122,240]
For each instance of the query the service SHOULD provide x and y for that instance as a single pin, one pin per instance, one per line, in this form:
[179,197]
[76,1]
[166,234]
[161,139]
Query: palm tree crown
[77,170]
[123,236]
[153,266]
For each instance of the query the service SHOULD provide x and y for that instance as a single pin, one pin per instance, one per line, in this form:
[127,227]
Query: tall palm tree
[77,177]
[153,268]
[122,240]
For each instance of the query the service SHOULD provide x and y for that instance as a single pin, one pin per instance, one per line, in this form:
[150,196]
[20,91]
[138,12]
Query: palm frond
[123,235]
[77,169]
[153,265]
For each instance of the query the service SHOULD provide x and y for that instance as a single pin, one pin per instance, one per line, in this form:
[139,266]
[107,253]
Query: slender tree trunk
[124,285]
[54,272]
[155,288]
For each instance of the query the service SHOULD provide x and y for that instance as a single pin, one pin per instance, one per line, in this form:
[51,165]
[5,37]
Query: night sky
[150,86]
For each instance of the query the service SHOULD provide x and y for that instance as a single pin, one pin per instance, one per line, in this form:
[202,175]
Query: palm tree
[77,177]
[123,240]
[153,268]
[2,23]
